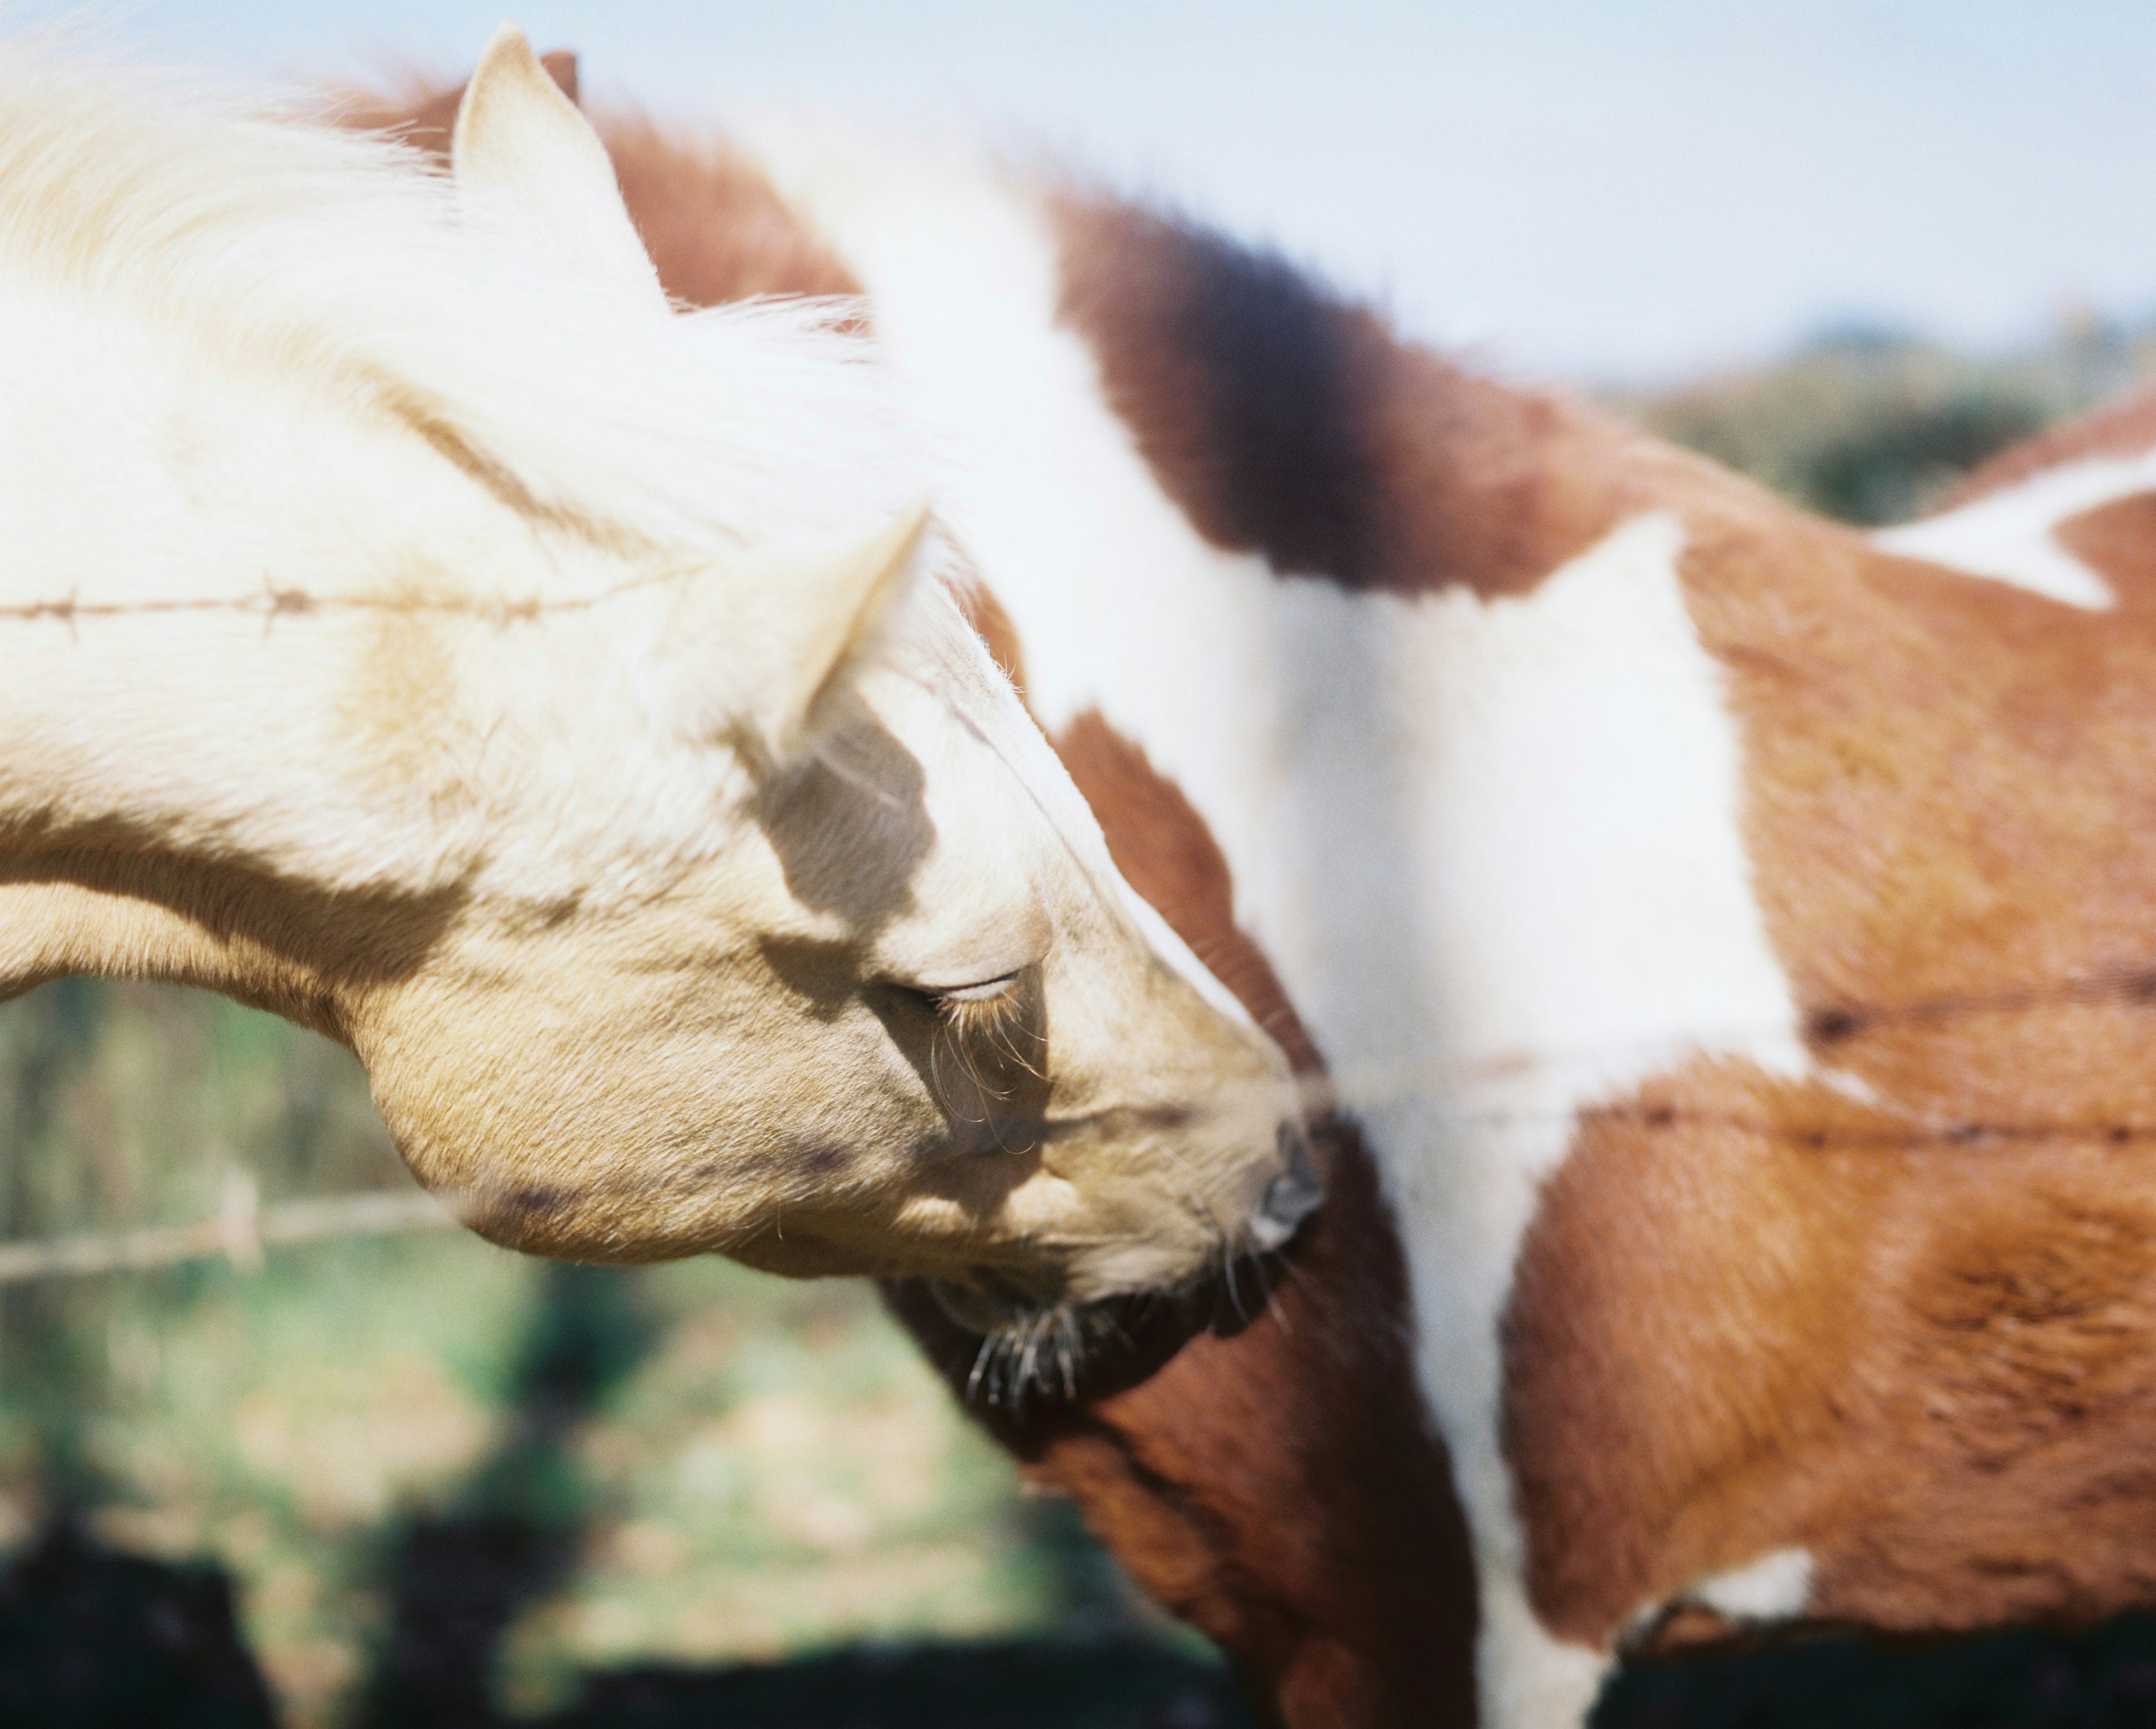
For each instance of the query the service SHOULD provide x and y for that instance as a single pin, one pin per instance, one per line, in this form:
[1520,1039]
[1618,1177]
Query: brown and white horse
[1732,934]
[1732,939]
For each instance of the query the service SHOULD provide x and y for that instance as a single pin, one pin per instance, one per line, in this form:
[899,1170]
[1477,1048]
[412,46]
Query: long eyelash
[997,1024]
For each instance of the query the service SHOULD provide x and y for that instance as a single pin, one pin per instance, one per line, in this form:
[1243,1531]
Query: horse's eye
[986,991]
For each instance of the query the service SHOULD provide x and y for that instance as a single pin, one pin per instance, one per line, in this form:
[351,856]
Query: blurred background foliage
[1874,425]
[424,1482]
[445,1480]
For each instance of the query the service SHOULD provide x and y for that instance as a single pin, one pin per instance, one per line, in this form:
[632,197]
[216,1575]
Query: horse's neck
[1416,647]
[1387,627]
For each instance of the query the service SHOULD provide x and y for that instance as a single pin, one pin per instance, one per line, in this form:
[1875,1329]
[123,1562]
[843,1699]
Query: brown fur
[1752,1315]
[2118,541]
[1272,1481]
[1288,423]
[1920,1343]
[993,626]
[712,223]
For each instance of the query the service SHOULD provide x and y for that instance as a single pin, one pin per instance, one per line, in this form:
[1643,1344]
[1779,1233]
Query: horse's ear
[523,155]
[793,627]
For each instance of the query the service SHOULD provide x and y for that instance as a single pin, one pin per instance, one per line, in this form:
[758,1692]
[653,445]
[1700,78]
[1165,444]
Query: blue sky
[1586,188]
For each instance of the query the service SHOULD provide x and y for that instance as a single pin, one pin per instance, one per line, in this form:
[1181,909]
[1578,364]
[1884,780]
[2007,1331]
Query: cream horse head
[414,627]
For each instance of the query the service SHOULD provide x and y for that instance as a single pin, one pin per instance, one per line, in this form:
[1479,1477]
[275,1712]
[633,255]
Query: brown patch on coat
[2116,541]
[2125,428]
[1166,852]
[424,113]
[1752,1315]
[1916,1339]
[715,228]
[1287,422]
[993,626]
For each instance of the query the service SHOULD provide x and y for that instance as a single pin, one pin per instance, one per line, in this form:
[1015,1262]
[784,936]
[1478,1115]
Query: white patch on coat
[1491,848]
[1775,1587]
[1527,1678]
[1573,915]
[2009,536]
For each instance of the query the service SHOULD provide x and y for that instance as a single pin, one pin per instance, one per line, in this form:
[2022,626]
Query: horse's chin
[982,1309]
[1028,1346]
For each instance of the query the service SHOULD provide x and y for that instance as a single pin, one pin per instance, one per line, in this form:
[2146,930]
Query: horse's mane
[338,261]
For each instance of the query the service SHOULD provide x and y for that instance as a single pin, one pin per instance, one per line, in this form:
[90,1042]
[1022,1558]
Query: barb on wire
[242,1227]
[1471,1092]
[238,1232]
[273,602]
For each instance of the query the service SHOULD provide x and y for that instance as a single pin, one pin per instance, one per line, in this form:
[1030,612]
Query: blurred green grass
[750,1469]
[686,1467]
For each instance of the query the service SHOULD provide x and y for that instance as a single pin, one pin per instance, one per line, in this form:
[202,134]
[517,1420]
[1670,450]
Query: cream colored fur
[410,626]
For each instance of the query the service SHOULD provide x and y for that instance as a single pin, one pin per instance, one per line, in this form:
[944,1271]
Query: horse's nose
[1292,1196]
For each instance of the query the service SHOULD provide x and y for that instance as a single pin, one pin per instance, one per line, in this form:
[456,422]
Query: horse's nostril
[1292,1196]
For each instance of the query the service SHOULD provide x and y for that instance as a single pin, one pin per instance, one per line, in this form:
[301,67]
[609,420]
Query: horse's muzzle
[1292,1196]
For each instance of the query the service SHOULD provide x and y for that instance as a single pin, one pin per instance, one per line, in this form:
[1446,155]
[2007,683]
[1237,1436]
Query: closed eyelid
[982,963]
[987,987]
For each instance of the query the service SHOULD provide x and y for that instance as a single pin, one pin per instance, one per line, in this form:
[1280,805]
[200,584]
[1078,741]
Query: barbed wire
[238,1232]
[274,602]
[243,1228]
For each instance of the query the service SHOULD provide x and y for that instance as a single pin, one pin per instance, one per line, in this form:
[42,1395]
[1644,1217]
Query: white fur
[1492,847]
[2009,537]
[191,302]
[349,551]
[1775,1587]
[1526,1677]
